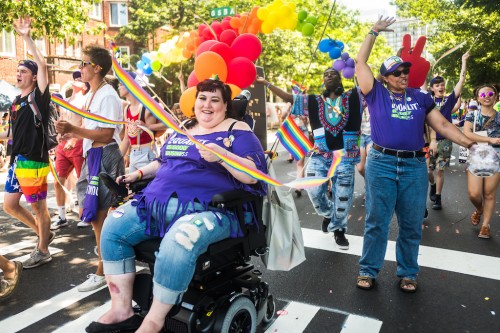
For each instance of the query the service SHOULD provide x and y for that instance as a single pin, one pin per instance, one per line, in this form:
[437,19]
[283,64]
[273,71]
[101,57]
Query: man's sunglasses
[85,63]
[405,71]
[489,94]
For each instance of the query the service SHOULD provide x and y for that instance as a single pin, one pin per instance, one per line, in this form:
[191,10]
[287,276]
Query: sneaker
[60,223]
[426,213]
[437,203]
[51,238]
[432,193]
[37,259]
[83,224]
[324,225]
[340,239]
[93,282]
[7,287]
[485,232]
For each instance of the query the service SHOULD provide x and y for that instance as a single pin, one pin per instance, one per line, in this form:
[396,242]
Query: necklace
[93,94]
[399,99]
[336,116]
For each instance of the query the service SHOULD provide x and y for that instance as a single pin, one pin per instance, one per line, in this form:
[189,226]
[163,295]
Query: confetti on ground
[438,229]
[463,306]
[486,298]
[457,231]
[331,291]
[493,313]
[281,312]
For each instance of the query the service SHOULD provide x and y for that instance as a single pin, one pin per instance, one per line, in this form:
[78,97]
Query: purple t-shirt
[397,123]
[445,106]
[184,174]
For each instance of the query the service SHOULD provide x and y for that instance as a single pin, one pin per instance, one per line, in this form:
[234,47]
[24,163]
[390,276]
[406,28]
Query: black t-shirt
[353,123]
[27,133]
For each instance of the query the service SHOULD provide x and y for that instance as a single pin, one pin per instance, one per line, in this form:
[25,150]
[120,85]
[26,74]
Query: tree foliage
[453,22]
[55,18]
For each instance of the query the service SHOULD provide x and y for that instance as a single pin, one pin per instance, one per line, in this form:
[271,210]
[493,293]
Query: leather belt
[399,153]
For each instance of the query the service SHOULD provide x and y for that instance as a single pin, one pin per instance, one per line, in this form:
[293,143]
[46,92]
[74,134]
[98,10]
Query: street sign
[221,12]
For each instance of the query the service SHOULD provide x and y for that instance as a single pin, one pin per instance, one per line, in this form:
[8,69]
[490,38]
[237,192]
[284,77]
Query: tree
[56,18]
[456,21]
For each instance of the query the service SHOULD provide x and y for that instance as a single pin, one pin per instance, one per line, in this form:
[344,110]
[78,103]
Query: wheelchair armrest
[233,198]
[110,183]
[140,185]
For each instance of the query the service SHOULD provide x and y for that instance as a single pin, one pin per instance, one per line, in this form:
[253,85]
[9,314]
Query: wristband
[471,144]
[140,174]
[220,161]
[373,32]
[267,85]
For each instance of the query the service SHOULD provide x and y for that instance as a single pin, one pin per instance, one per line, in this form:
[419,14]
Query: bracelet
[373,33]
[471,144]
[220,161]
[267,85]
[140,174]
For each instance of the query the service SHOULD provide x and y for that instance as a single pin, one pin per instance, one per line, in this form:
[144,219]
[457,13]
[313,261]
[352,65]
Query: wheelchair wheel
[271,309]
[241,317]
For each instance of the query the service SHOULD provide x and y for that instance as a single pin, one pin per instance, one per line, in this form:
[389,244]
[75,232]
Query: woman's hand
[494,141]
[208,156]
[63,127]
[383,23]
[23,27]
[128,178]
[261,80]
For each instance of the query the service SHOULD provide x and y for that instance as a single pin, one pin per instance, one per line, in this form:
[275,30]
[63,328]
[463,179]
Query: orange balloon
[235,90]
[187,100]
[186,53]
[208,64]
[235,22]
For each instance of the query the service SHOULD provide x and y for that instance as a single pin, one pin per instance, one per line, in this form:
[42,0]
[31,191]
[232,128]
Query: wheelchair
[226,293]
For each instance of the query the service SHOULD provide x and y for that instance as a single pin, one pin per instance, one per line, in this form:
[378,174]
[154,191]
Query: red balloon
[201,28]
[205,46]
[192,80]
[223,50]
[207,33]
[248,46]
[241,72]
[225,24]
[216,26]
[228,36]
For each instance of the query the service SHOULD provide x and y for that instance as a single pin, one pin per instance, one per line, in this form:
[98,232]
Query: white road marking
[433,257]
[359,324]
[79,325]
[295,318]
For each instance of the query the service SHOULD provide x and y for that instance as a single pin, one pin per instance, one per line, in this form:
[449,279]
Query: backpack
[49,136]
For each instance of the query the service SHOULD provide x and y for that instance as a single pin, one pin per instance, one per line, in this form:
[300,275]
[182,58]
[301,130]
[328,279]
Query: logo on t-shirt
[403,111]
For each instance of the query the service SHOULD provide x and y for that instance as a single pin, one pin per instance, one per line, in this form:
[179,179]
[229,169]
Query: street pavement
[459,281]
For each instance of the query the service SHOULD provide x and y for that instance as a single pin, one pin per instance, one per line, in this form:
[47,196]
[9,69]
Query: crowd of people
[395,136]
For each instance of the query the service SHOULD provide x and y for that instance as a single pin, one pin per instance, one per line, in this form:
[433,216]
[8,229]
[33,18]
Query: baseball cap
[473,105]
[390,64]
[77,74]
[436,80]
[29,64]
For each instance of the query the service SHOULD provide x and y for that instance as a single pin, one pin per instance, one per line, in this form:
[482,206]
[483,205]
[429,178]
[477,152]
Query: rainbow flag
[292,138]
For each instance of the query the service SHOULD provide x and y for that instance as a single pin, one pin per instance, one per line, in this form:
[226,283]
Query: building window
[60,49]
[70,51]
[41,45]
[7,44]
[95,10]
[118,12]
[78,50]
[124,57]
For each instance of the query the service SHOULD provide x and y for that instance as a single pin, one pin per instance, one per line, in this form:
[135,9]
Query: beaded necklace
[395,98]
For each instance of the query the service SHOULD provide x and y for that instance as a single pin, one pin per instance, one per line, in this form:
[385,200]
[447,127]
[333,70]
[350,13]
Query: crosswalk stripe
[16,247]
[295,319]
[78,325]
[357,324]
[432,257]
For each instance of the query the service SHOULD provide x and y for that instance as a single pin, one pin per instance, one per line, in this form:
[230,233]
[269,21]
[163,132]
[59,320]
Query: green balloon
[307,29]
[312,19]
[156,65]
[302,15]
[299,26]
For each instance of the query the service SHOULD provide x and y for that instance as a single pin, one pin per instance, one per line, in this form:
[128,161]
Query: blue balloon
[140,65]
[148,70]
[325,45]
[146,58]
[335,53]
[340,45]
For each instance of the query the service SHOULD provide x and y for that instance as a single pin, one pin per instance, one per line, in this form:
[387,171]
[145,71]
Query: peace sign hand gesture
[419,65]
[23,27]
[383,23]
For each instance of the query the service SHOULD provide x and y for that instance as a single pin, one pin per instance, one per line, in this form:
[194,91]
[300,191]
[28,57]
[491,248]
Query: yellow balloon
[266,28]
[262,13]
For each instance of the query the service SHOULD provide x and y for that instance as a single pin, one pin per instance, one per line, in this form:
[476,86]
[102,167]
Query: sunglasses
[85,63]
[405,71]
[489,94]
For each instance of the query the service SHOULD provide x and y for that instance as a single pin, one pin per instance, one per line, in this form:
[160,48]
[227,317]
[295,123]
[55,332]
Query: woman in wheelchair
[176,207]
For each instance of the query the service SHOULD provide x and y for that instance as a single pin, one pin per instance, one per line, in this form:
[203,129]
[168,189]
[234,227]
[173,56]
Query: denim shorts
[365,141]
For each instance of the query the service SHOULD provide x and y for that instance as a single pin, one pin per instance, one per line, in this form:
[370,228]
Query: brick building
[105,20]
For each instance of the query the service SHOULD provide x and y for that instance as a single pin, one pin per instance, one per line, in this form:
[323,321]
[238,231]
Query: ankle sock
[62,212]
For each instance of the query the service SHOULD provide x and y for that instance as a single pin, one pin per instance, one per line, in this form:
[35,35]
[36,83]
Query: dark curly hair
[212,85]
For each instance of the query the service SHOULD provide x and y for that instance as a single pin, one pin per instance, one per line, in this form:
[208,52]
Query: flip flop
[365,278]
[405,282]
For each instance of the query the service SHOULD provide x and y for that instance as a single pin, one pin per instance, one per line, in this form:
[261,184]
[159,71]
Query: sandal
[475,218]
[370,282]
[408,285]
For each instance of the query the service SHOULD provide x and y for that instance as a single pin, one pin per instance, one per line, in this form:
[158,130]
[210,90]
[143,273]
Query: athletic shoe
[51,238]
[60,223]
[83,224]
[7,287]
[340,239]
[432,193]
[37,259]
[93,282]
[324,225]
[437,203]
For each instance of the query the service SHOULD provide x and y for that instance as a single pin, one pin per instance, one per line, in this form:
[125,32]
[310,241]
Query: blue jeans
[393,184]
[189,237]
[336,209]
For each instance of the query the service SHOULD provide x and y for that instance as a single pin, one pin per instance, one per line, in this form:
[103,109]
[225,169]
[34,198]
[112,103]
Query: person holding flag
[335,119]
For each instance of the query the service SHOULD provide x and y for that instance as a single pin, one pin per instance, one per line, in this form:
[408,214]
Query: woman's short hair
[212,86]
[99,56]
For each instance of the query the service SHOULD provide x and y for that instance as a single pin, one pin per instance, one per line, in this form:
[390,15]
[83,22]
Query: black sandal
[363,278]
[405,282]
[128,325]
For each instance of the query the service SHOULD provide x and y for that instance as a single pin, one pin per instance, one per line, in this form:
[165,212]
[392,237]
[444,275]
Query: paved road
[459,287]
